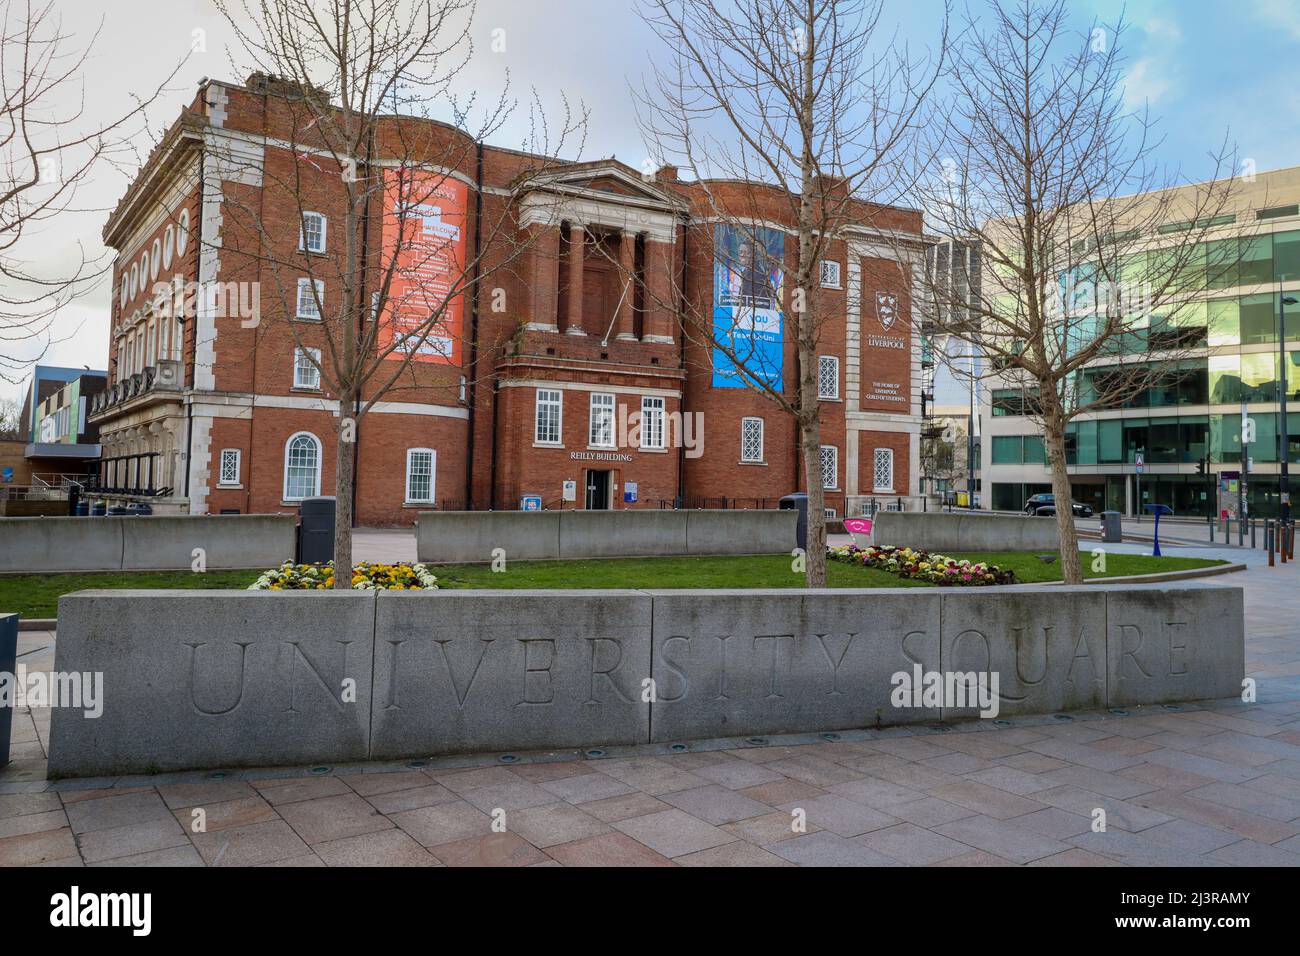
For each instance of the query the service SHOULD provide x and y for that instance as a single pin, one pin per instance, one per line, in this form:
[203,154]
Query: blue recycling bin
[98,509]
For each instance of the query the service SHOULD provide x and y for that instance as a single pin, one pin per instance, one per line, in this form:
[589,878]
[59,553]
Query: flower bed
[365,577]
[924,566]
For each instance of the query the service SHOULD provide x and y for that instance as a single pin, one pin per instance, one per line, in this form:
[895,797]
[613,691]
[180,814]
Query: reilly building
[591,329]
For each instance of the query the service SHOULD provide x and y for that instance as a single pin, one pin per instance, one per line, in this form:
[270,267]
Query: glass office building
[1187,427]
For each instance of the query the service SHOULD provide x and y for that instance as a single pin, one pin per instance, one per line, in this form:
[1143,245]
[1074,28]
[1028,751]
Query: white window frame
[315,489]
[823,363]
[548,398]
[876,459]
[762,429]
[835,467]
[433,474]
[316,302]
[822,274]
[599,403]
[654,413]
[229,454]
[299,354]
[302,233]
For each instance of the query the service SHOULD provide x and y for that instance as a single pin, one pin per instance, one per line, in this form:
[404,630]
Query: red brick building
[586,336]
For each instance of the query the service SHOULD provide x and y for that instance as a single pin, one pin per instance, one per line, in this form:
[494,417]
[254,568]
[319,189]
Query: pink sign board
[857,525]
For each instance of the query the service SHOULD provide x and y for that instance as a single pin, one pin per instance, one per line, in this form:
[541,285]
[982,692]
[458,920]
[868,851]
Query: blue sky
[1206,68]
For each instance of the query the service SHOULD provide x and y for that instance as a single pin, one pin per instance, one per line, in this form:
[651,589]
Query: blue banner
[748,325]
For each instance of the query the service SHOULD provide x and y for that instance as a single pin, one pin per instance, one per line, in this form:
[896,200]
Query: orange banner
[425,216]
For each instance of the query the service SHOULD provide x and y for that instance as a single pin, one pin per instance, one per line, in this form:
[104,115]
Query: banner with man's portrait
[748,324]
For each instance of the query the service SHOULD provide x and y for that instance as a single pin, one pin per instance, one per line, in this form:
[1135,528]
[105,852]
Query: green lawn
[37,595]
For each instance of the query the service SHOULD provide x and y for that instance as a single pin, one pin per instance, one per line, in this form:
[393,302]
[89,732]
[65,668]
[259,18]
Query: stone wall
[964,532]
[144,542]
[244,678]
[451,537]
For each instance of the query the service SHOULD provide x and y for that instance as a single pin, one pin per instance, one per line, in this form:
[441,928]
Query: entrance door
[598,490]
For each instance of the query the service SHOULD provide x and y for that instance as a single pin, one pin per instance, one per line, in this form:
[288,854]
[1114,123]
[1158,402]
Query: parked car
[1045,504]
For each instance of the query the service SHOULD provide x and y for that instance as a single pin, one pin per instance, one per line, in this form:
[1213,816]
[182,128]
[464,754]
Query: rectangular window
[652,422]
[830,274]
[883,473]
[419,474]
[308,299]
[305,373]
[546,430]
[601,434]
[830,466]
[751,439]
[828,376]
[229,472]
[312,237]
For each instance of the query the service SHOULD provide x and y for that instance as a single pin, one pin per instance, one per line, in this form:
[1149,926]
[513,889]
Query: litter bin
[139,508]
[8,662]
[798,502]
[316,531]
[97,510]
[83,508]
[117,511]
[1112,531]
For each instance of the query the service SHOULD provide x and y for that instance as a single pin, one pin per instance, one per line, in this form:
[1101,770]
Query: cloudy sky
[1205,68]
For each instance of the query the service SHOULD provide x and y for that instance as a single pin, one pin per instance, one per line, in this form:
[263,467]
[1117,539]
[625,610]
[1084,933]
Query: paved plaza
[1211,784]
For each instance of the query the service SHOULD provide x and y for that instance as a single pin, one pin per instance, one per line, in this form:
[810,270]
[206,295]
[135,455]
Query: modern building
[61,440]
[521,406]
[1179,442]
[951,370]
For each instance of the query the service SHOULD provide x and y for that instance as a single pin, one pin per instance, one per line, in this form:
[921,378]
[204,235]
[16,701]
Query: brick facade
[594,278]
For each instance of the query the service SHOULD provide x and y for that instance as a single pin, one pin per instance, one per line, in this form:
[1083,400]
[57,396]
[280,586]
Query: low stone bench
[248,678]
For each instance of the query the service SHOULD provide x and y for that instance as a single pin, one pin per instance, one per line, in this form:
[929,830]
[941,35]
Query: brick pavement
[1210,784]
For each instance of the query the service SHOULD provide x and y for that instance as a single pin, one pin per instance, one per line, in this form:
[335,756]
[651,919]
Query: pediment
[604,179]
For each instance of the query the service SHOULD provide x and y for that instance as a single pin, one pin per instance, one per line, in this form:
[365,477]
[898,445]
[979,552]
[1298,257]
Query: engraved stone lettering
[241,681]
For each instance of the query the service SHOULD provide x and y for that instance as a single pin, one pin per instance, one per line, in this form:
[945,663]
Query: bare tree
[1088,250]
[11,419]
[812,98]
[49,150]
[358,83]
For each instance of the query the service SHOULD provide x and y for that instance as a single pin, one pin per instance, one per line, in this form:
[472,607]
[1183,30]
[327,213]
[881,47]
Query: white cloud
[1147,82]
[1279,14]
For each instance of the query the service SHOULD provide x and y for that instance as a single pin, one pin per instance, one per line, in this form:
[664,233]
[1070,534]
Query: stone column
[577,253]
[627,280]
[544,277]
[660,301]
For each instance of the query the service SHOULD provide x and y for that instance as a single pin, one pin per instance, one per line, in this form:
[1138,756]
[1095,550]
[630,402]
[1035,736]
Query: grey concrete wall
[238,678]
[470,671]
[453,537]
[958,532]
[215,679]
[468,537]
[141,543]
[741,532]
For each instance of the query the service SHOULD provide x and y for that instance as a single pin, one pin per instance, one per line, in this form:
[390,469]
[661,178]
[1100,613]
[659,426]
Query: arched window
[301,466]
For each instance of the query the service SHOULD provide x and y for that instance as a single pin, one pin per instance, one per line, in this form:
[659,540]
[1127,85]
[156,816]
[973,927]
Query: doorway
[598,490]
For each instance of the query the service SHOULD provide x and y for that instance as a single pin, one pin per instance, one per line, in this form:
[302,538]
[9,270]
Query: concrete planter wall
[455,537]
[958,532]
[243,678]
[145,543]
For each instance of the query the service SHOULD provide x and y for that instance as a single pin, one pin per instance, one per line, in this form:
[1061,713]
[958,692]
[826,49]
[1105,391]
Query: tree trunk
[810,436]
[345,453]
[1054,439]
